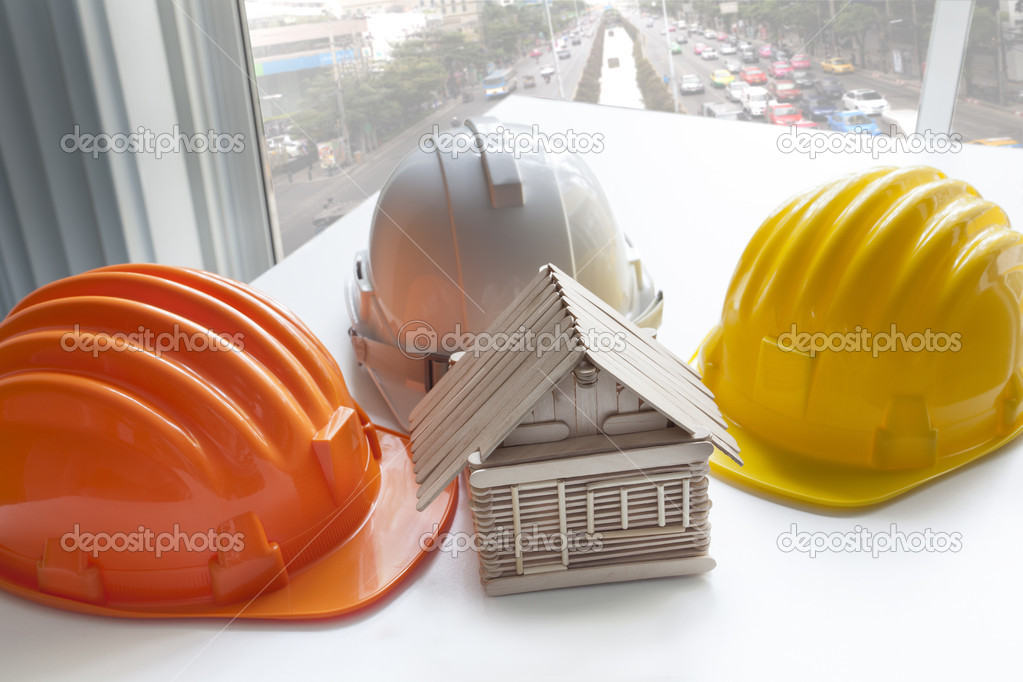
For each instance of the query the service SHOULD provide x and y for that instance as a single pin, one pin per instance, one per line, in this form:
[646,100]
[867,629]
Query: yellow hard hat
[870,339]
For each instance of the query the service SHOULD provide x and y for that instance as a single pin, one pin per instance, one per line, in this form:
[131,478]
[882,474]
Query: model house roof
[485,395]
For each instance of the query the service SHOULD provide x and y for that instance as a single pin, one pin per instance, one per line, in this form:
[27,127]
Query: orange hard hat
[177,444]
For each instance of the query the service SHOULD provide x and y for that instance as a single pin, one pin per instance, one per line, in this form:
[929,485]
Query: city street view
[347,89]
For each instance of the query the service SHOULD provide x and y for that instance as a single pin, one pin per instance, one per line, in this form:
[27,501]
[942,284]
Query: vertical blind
[118,67]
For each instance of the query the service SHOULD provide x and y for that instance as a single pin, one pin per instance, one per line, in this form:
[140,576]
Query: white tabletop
[690,192]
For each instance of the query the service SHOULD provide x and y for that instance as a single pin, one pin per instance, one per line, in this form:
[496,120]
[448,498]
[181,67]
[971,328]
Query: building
[588,461]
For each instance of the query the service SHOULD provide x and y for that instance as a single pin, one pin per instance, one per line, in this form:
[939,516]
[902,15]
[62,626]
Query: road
[971,120]
[298,200]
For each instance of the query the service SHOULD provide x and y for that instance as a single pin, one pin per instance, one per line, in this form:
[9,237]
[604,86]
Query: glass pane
[347,89]
[822,58]
[990,103]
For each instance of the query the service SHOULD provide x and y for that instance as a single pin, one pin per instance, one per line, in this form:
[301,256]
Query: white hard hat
[459,230]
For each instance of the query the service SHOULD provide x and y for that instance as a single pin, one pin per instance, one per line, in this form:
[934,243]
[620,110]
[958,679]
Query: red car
[765,52]
[698,48]
[535,53]
[722,37]
[779,69]
[671,29]
[785,91]
[753,76]
[800,61]
[782,115]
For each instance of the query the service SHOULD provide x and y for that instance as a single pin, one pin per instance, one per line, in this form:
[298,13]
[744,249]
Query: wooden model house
[587,447]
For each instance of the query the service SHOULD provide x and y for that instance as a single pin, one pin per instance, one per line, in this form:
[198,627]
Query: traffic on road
[828,93]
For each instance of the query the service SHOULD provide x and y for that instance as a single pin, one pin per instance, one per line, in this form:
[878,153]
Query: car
[800,61]
[997,142]
[753,76]
[536,53]
[734,90]
[710,34]
[779,55]
[676,49]
[785,91]
[723,110]
[698,48]
[721,78]
[681,39]
[853,122]
[733,66]
[748,57]
[529,81]
[779,69]
[577,40]
[672,29]
[837,65]
[829,87]
[286,146]
[866,100]
[754,101]
[649,24]
[765,52]
[733,40]
[802,78]
[563,53]
[690,84]
[547,71]
[722,37]
[708,54]
[782,114]
[744,45]
[817,108]
[728,49]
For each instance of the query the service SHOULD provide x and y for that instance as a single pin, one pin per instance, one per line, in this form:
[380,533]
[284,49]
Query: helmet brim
[371,563]
[786,474]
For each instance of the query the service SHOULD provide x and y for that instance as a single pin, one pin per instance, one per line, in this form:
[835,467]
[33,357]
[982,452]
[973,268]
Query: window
[990,100]
[337,83]
[638,505]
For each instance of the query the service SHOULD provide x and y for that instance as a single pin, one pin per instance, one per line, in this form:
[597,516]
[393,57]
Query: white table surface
[690,192]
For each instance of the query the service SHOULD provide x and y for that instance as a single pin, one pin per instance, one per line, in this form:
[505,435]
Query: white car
[728,49]
[708,54]
[754,101]
[710,34]
[866,100]
[735,89]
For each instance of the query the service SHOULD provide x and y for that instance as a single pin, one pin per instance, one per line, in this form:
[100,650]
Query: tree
[413,80]
[853,22]
[982,37]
